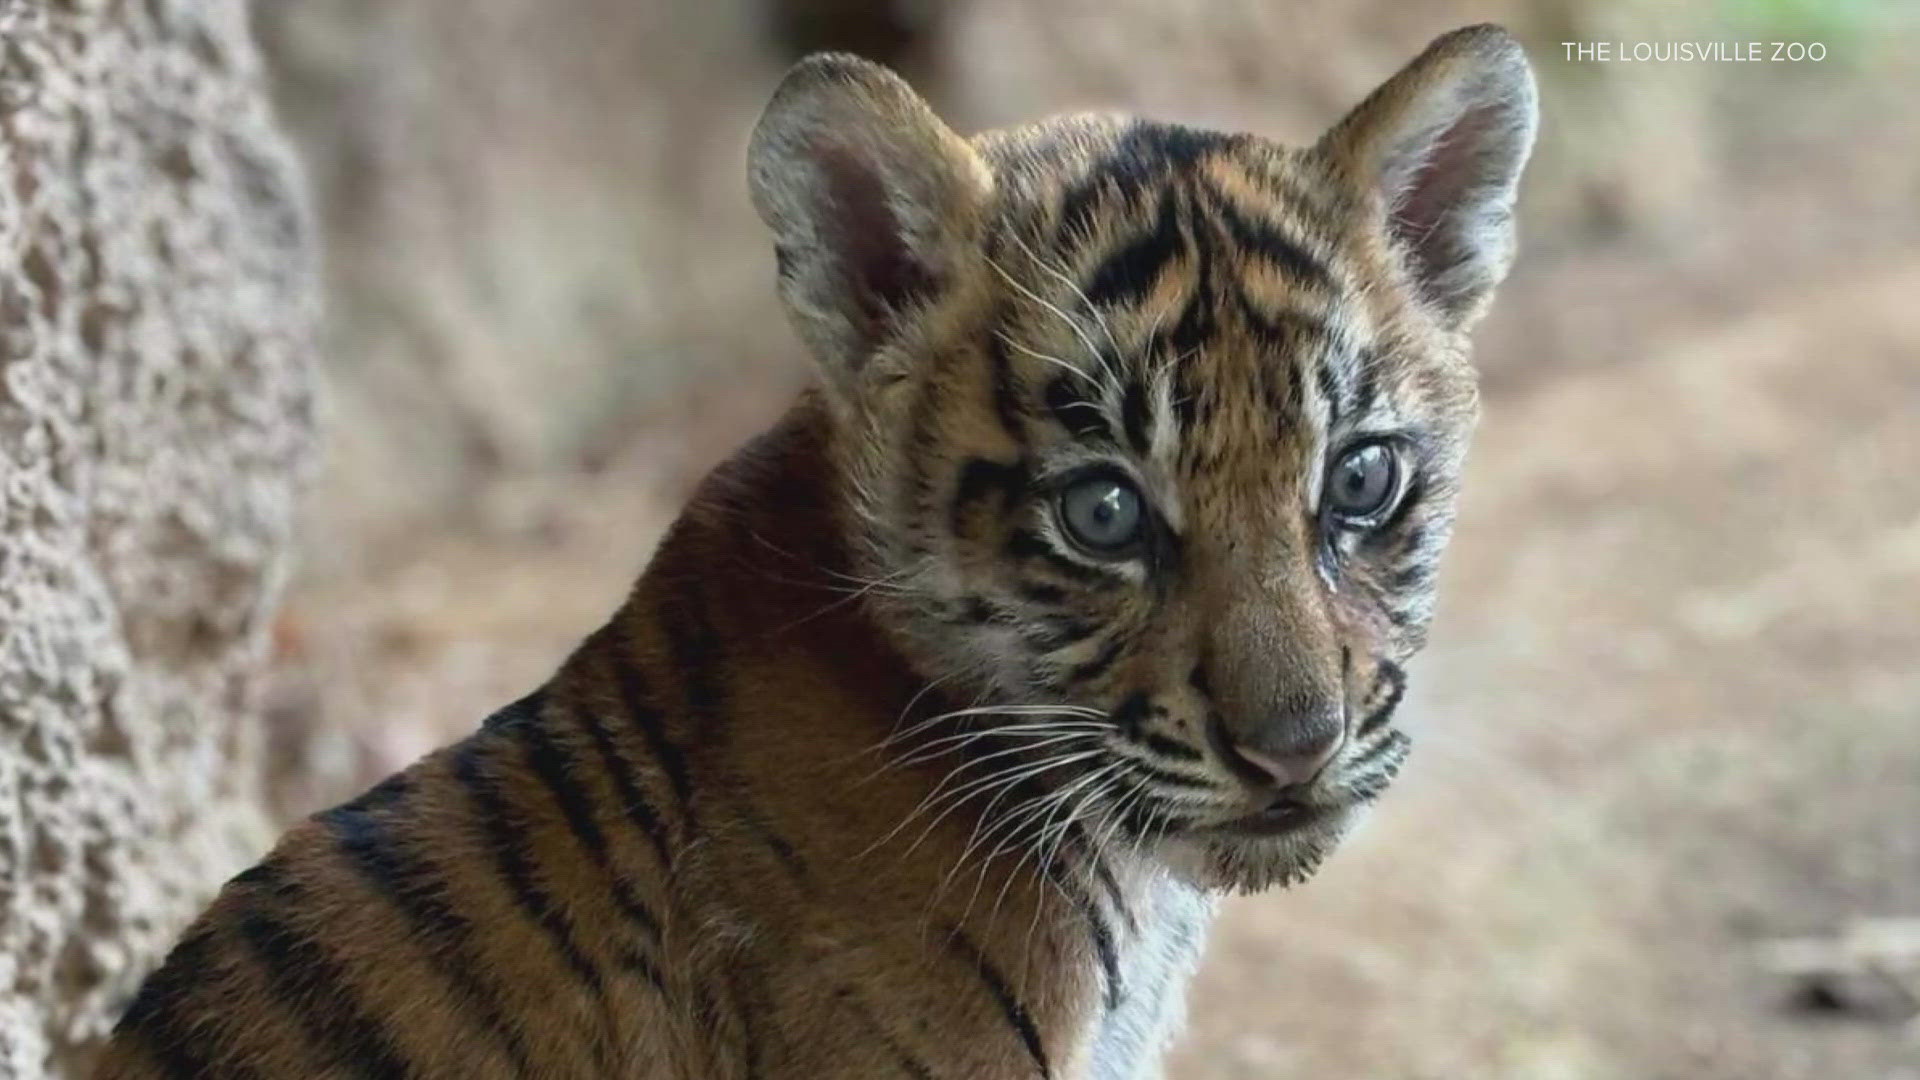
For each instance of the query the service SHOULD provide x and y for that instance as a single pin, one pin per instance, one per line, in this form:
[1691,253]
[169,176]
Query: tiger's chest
[1157,964]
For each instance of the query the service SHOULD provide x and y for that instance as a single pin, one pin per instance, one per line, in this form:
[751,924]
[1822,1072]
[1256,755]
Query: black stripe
[980,477]
[698,656]
[1413,540]
[1103,947]
[1197,322]
[1098,932]
[1396,676]
[782,849]
[1144,155]
[1096,666]
[907,1063]
[1137,416]
[1010,1005]
[555,768]
[641,964]
[1078,413]
[523,711]
[1366,364]
[1058,632]
[699,660]
[1121,177]
[1080,207]
[1174,146]
[1139,818]
[261,875]
[1023,544]
[154,1014]
[923,446]
[1102,873]
[1280,388]
[380,796]
[1006,393]
[1132,713]
[1410,577]
[1040,593]
[318,995]
[1396,743]
[706,1010]
[1286,188]
[1330,388]
[971,610]
[412,887]
[1127,275]
[1287,331]
[626,783]
[1263,238]
[1169,748]
[744,1012]
[508,845]
[633,696]
[1190,402]
[1165,777]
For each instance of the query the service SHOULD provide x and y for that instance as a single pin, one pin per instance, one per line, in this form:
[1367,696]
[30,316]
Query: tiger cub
[1074,596]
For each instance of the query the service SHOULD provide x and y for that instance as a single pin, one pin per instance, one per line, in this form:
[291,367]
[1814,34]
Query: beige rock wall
[537,230]
[156,309]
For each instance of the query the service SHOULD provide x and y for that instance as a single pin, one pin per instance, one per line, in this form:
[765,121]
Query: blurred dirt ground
[1672,708]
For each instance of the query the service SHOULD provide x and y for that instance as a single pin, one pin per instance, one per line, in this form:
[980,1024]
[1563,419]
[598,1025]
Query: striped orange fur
[1076,594]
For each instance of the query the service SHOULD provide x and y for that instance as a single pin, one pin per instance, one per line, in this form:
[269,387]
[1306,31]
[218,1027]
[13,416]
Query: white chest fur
[1156,963]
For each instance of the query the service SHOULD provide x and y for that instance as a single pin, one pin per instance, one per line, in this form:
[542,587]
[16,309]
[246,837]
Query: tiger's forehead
[1220,265]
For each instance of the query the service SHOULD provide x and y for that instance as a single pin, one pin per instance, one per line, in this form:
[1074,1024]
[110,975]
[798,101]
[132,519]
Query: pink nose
[1290,752]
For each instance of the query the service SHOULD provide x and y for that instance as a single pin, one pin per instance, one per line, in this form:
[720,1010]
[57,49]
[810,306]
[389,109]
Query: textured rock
[537,230]
[156,306]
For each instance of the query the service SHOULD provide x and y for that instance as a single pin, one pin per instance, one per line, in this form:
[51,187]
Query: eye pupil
[1365,483]
[1102,514]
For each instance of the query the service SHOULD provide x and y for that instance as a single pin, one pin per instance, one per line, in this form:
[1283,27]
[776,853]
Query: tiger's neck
[826,857]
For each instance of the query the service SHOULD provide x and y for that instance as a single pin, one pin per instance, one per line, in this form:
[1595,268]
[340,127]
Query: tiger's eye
[1363,483]
[1102,514]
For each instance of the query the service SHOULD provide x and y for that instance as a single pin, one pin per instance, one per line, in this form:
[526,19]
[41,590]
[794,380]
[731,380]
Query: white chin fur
[1255,864]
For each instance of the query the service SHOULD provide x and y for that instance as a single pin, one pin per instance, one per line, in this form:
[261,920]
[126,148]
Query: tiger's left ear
[871,199]
[1439,149]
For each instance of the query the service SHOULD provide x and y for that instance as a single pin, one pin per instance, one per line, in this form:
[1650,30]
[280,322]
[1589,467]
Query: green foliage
[1849,29]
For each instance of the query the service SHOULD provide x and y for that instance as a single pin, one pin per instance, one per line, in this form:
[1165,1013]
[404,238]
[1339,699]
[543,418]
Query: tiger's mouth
[1284,842]
[1359,780]
[1283,817]
[1279,846]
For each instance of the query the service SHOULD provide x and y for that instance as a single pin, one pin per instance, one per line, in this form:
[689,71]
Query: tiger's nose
[1289,750]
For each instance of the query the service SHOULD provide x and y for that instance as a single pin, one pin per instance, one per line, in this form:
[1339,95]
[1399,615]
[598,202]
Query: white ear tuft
[1439,148]
[870,197]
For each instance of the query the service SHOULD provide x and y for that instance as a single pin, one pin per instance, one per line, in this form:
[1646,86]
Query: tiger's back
[1075,596]
[605,879]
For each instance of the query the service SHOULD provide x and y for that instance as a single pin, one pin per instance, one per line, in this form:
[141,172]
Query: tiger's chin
[1257,854]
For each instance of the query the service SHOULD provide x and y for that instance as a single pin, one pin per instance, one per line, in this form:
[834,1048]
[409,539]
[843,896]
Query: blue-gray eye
[1363,484]
[1102,513]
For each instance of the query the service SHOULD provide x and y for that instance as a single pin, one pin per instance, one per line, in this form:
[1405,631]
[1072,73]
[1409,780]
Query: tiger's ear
[871,200]
[1439,149]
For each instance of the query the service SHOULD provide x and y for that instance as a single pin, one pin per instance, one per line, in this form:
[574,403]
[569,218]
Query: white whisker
[959,796]
[1079,331]
[1061,276]
[1017,347]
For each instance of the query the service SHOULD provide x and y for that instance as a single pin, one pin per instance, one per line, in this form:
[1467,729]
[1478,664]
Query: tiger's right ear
[1439,149]
[871,199]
